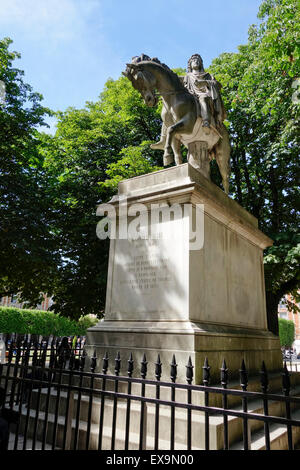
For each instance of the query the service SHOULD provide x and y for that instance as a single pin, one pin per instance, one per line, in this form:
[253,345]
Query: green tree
[286,332]
[27,247]
[91,151]
[263,119]
[61,179]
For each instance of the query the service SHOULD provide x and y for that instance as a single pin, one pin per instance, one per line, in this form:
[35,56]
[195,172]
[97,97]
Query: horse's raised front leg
[176,147]
[168,155]
[184,125]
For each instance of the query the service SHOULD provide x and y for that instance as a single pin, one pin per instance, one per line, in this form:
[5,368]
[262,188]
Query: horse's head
[143,81]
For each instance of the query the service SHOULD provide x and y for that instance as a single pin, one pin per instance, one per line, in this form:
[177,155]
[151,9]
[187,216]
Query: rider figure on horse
[206,90]
[192,112]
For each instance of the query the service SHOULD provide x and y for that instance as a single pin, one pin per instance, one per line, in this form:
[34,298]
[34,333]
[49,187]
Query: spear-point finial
[82,361]
[105,363]
[286,382]
[144,367]
[189,371]
[94,362]
[117,363]
[158,368]
[173,373]
[224,374]
[264,381]
[243,376]
[130,365]
[206,372]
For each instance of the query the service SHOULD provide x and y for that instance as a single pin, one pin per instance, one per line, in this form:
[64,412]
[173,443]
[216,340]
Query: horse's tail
[221,152]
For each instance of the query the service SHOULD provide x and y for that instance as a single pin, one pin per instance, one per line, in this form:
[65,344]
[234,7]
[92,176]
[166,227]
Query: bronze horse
[180,113]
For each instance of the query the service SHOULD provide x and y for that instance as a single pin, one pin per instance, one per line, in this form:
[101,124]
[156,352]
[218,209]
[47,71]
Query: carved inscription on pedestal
[147,271]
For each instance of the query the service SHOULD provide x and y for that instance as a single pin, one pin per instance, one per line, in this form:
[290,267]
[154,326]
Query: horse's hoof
[158,146]
[168,159]
[178,161]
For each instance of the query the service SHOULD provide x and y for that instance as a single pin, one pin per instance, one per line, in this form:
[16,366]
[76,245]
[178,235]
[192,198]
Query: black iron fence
[51,401]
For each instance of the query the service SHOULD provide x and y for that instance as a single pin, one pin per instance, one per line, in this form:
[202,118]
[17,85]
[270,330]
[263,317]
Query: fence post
[286,386]
[264,381]
[70,412]
[69,406]
[224,382]
[189,379]
[127,425]
[247,426]
[143,421]
[173,376]
[158,372]
[206,378]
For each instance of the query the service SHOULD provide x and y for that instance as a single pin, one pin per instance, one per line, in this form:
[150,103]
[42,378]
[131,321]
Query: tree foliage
[51,185]
[27,248]
[286,332]
[263,117]
[91,151]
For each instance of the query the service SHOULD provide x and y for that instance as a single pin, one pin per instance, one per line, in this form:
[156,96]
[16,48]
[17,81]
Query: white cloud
[47,19]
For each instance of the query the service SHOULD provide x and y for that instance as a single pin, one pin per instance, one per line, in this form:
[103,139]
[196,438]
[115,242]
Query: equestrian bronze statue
[192,112]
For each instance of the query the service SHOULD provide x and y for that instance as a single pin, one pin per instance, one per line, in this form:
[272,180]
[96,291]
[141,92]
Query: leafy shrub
[286,332]
[87,321]
[23,321]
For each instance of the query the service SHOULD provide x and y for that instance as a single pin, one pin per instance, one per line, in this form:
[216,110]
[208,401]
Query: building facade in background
[13,301]
[284,313]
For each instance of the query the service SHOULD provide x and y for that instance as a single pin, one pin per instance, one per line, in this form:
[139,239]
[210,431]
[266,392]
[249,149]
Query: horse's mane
[145,58]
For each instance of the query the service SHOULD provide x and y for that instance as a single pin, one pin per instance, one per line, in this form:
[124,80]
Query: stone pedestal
[198,157]
[171,296]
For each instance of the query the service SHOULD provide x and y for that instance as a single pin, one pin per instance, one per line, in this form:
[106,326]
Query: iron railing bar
[127,426]
[17,381]
[114,418]
[206,402]
[157,395]
[225,421]
[6,378]
[19,385]
[266,424]
[245,424]
[143,423]
[77,418]
[15,376]
[88,430]
[142,417]
[101,421]
[172,417]
[37,411]
[58,393]
[189,420]
[210,409]
[182,405]
[20,411]
[289,426]
[228,391]
[47,404]
[67,411]
[30,380]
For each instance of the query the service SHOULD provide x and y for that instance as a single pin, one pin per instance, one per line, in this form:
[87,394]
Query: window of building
[283,315]
[282,302]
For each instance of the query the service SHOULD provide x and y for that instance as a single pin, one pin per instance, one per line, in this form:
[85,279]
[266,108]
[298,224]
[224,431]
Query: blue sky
[70,48]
